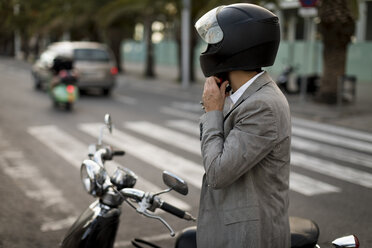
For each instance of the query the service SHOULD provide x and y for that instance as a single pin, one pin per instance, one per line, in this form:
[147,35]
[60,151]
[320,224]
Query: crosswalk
[331,155]
[74,152]
[340,154]
[326,150]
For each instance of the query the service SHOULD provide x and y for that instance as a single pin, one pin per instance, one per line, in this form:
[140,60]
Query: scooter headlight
[93,177]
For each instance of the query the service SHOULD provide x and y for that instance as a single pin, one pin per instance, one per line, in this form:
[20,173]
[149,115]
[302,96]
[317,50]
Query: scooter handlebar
[118,153]
[176,211]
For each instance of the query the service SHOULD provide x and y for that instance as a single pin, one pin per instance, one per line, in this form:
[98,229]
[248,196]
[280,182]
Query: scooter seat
[187,238]
[304,233]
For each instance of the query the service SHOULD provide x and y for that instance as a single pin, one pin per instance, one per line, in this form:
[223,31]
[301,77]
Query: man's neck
[238,78]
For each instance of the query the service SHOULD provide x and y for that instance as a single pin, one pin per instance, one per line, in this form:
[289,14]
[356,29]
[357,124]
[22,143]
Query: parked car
[93,62]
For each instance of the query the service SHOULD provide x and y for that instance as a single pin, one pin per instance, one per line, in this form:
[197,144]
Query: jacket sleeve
[253,136]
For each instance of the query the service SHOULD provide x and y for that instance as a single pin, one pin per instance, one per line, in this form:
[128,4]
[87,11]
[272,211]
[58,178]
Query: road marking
[331,169]
[35,186]
[188,106]
[180,113]
[30,180]
[342,131]
[185,126]
[167,136]
[308,186]
[74,151]
[151,154]
[58,224]
[62,143]
[332,139]
[300,184]
[332,151]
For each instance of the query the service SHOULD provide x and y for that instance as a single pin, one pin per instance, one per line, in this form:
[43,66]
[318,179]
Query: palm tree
[337,26]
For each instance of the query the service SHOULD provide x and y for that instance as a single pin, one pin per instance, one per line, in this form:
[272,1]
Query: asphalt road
[41,149]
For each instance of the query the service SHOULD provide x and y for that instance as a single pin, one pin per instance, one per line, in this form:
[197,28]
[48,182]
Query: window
[97,55]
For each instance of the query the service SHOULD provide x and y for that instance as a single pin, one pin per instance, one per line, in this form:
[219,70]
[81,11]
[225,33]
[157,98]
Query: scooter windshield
[208,28]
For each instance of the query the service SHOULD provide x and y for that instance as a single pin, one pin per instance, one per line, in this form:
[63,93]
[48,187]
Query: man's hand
[214,96]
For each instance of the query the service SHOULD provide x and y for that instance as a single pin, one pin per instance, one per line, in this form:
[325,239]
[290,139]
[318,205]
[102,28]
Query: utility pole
[186,43]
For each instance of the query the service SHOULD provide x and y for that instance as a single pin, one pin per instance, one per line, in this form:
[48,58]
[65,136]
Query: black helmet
[240,37]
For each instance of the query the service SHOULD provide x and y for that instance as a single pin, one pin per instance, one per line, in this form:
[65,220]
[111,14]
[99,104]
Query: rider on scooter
[62,62]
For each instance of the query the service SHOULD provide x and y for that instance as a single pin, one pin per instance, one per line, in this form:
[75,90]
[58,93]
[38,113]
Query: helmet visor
[208,28]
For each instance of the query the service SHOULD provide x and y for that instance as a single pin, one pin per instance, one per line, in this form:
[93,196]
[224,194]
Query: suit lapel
[254,87]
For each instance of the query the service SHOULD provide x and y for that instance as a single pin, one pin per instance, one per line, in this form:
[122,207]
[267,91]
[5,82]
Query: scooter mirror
[108,122]
[175,183]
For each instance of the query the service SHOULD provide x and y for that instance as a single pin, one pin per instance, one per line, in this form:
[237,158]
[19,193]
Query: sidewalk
[356,116]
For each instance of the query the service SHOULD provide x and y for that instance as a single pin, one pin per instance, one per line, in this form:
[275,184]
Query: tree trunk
[179,52]
[114,35]
[25,45]
[149,61]
[193,41]
[337,26]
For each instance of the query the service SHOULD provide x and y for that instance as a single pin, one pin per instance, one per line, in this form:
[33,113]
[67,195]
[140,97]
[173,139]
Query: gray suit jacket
[246,153]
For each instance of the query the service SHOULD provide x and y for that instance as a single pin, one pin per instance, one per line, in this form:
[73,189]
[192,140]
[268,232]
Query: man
[245,137]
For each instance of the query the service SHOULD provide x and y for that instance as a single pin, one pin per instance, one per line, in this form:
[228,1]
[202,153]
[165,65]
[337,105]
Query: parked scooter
[98,224]
[62,88]
[311,82]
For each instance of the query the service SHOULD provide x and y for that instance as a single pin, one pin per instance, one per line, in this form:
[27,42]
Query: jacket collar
[254,87]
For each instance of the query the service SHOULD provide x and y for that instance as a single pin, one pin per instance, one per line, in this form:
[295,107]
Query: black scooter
[98,224]
[308,84]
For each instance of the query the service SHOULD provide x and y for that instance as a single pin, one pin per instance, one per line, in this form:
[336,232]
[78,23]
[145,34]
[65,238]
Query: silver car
[93,63]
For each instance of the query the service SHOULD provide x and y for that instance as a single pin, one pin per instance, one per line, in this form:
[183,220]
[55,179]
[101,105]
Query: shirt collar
[236,95]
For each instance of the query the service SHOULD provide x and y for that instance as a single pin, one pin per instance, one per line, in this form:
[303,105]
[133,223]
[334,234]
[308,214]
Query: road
[41,149]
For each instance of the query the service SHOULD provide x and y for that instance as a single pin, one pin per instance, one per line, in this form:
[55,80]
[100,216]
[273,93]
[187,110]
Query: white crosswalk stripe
[180,113]
[332,139]
[339,153]
[331,169]
[308,186]
[35,186]
[185,126]
[166,135]
[332,129]
[74,151]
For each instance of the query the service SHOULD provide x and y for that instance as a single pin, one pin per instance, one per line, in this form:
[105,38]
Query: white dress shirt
[236,95]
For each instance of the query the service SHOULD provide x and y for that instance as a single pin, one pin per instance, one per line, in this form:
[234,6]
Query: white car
[93,63]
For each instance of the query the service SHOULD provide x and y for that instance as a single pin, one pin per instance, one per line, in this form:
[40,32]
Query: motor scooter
[62,87]
[97,226]
[63,90]
[309,82]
